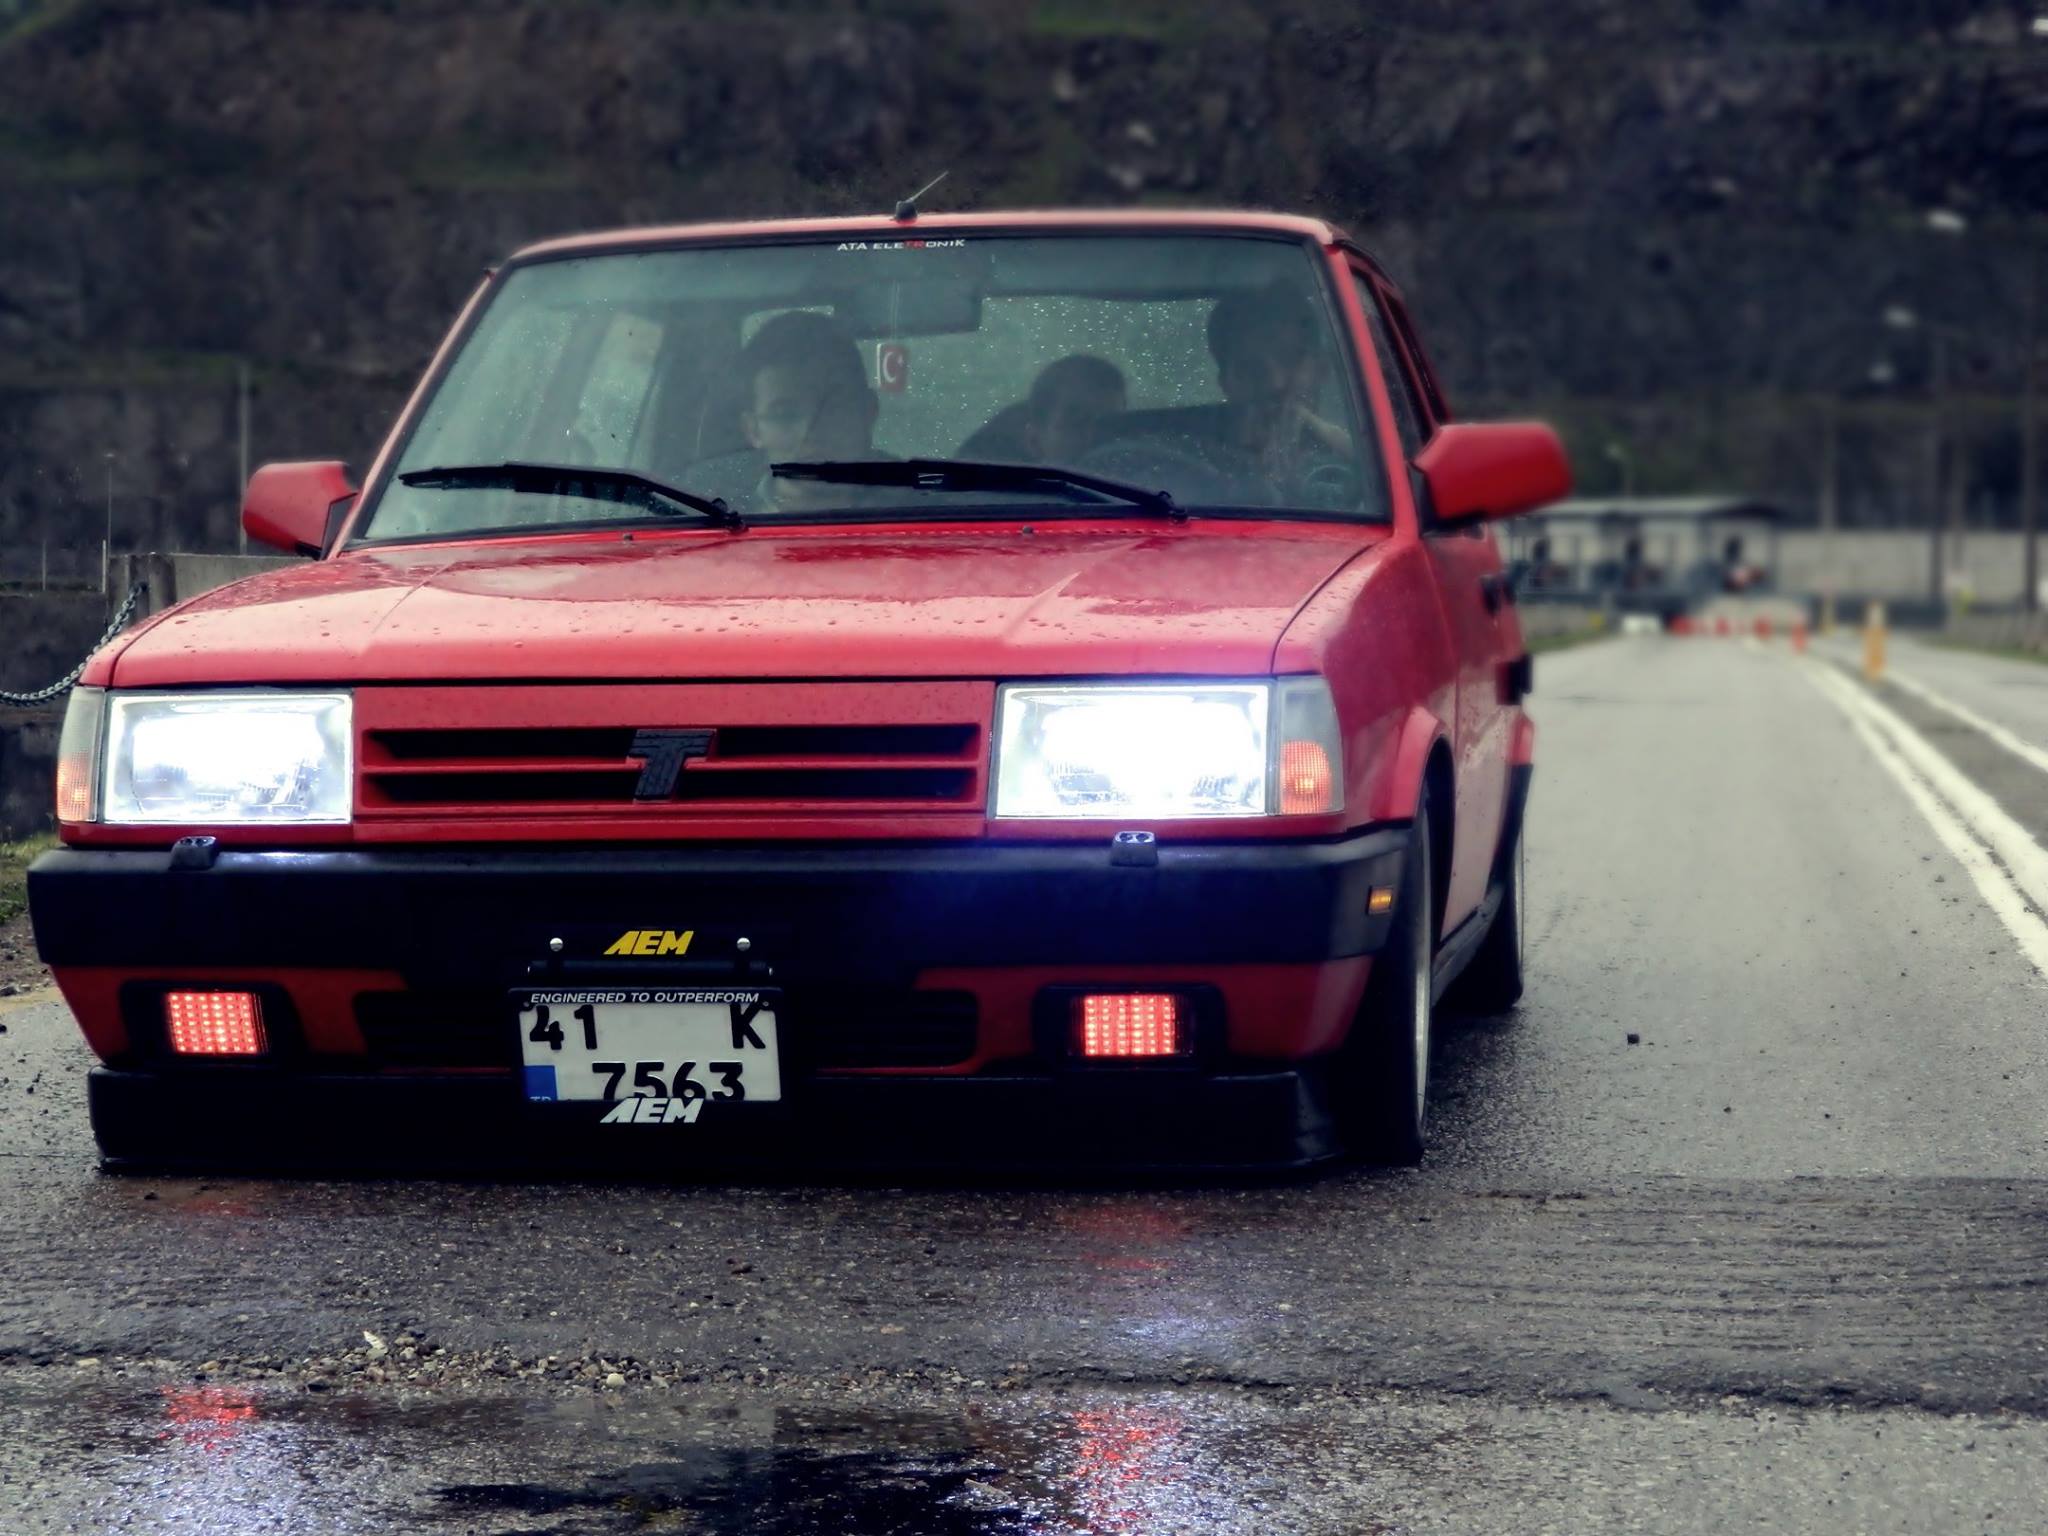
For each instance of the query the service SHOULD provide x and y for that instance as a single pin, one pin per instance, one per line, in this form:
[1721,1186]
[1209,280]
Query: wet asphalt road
[1779,1265]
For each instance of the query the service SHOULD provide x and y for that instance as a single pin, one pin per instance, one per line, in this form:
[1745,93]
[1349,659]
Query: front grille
[820,1029]
[764,748]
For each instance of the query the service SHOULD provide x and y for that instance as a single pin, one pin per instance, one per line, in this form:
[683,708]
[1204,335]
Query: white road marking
[2009,869]
[2018,746]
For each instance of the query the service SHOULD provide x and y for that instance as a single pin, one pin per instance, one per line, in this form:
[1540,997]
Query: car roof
[880,226]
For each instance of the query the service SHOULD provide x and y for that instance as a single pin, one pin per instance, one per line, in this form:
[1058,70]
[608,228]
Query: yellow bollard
[1873,641]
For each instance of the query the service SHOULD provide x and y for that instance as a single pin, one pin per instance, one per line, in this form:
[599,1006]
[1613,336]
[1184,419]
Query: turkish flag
[892,367]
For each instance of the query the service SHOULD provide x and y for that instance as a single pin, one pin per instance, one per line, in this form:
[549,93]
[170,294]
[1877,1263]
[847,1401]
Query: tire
[1492,981]
[1384,1068]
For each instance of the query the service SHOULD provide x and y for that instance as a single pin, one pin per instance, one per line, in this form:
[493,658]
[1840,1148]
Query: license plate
[699,1045]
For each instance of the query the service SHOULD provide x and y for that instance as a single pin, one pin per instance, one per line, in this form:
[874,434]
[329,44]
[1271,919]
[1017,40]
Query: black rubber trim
[828,913]
[1456,950]
[1518,677]
[1461,945]
[1090,1121]
[1520,776]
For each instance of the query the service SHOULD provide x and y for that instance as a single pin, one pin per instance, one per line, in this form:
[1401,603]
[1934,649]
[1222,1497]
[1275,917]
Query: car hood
[1204,598]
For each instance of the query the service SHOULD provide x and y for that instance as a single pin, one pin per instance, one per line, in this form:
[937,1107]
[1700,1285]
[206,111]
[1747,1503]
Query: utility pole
[1830,476]
[1948,223]
[1937,389]
[1958,490]
[107,544]
[1624,461]
[2030,445]
[242,451]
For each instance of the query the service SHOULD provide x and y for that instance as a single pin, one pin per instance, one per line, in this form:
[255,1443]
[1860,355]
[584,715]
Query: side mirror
[297,507]
[1493,469]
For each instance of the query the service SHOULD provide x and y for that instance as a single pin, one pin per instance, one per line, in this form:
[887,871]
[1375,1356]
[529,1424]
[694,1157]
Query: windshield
[1208,367]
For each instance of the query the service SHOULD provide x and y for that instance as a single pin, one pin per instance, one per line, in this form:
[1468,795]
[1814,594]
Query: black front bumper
[483,921]
[863,913]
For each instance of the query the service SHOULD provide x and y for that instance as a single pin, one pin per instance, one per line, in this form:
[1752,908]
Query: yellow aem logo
[653,941]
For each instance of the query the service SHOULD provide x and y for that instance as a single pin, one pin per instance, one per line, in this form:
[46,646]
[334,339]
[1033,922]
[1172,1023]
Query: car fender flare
[1522,750]
[1400,789]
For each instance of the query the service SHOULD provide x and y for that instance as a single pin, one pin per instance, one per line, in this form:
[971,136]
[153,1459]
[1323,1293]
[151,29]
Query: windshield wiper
[974,475]
[564,480]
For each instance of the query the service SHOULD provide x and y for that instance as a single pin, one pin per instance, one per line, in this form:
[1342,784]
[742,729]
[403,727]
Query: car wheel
[1492,981]
[1385,1066]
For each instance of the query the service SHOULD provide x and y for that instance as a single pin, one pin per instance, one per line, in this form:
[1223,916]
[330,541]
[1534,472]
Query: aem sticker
[653,1111]
[652,941]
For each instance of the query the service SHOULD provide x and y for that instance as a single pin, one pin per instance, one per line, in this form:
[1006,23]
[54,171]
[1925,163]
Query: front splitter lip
[844,914]
[1092,1121]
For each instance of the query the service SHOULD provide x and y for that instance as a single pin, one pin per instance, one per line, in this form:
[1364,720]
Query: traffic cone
[1873,641]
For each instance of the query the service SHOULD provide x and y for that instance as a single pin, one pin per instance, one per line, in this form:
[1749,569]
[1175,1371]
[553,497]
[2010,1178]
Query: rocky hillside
[1669,224]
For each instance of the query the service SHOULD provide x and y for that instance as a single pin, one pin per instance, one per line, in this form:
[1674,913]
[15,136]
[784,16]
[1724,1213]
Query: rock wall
[1669,224]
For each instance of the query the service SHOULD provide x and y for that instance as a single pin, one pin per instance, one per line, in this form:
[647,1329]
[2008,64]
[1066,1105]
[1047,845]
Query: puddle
[224,1459]
[780,1491]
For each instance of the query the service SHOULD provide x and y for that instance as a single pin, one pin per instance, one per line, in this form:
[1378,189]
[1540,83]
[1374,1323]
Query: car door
[1472,588]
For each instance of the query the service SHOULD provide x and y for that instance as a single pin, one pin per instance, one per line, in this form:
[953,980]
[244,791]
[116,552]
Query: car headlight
[203,758]
[1161,751]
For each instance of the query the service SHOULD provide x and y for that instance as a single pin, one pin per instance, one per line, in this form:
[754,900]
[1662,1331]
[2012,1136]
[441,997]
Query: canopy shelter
[1653,554]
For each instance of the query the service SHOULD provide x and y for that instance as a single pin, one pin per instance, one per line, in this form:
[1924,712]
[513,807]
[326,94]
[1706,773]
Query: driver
[1263,341]
[807,398]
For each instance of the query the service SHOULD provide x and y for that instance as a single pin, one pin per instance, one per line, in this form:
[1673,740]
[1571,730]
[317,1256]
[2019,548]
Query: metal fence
[72,566]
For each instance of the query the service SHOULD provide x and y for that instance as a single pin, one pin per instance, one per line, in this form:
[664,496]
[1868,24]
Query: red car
[986,689]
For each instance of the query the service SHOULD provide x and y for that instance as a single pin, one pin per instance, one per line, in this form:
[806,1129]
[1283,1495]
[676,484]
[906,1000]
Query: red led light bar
[214,1023]
[1131,1025]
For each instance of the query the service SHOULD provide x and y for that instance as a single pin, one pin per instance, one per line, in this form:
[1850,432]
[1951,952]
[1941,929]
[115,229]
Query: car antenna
[906,211]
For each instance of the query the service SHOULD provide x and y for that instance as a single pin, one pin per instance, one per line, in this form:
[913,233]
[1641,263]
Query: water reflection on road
[227,1459]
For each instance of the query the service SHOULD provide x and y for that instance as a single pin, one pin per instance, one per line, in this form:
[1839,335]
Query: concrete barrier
[2001,631]
[169,579]
[1875,562]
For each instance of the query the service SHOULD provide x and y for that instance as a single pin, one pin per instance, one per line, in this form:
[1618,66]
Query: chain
[64,684]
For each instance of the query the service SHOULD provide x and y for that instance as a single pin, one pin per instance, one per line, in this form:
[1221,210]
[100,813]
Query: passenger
[1067,413]
[1071,406]
[807,398]
[1263,343]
